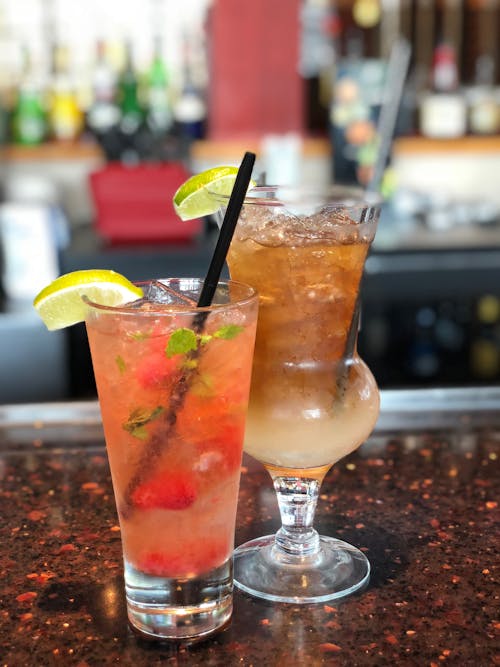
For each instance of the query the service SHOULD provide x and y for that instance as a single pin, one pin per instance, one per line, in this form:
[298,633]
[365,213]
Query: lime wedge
[194,198]
[60,303]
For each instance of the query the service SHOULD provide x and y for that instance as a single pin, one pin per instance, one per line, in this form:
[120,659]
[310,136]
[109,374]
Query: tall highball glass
[312,400]
[173,383]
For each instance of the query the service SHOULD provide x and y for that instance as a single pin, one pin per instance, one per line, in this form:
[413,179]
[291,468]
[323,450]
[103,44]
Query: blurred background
[106,107]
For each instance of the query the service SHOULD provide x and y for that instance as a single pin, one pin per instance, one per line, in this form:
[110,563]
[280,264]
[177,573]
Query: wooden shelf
[53,151]
[469,144]
[209,149]
[202,149]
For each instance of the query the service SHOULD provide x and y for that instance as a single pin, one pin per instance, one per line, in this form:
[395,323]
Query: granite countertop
[420,498]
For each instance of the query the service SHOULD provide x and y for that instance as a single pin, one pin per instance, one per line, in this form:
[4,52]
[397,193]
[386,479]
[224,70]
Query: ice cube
[157,291]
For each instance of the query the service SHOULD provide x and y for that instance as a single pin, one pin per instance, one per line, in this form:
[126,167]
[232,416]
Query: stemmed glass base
[334,570]
[297,564]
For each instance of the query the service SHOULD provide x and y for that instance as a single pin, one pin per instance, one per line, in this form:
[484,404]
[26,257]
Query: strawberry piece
[156,369]
[228,442]
[183,558]
[171,491]
[212,425]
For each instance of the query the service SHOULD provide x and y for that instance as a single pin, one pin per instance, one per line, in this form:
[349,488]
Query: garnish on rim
[195,199]
[60,304]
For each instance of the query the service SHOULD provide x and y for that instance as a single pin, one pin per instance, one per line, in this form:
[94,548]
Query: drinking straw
[397,69]
[154,447]
[227,229]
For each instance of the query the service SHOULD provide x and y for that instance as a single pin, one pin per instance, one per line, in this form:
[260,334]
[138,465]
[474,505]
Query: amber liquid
[310,403]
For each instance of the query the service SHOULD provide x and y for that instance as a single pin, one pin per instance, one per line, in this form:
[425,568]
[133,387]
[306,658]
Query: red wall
[255,87]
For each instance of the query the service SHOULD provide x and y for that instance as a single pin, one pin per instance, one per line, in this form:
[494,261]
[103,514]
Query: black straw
[155,446]
[397,70]
[227,229]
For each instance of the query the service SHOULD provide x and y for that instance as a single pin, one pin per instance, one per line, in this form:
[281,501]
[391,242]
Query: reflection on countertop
[420,498]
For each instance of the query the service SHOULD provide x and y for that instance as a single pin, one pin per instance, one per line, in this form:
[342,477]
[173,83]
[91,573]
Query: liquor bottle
[450,334]
[443,112]
[190,110]
[159,116]
[482,54]
[103,112]
[103,115]
[29,115]
[423,357]
[65,116]
[484,111]
[4,122]
[132,129]
[131,111]
[485,346]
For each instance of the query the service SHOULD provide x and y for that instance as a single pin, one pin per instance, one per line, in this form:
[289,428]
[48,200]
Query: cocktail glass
[312,399]
[173,383]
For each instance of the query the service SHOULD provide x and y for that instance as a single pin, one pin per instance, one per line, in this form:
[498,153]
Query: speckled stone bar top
[420,498]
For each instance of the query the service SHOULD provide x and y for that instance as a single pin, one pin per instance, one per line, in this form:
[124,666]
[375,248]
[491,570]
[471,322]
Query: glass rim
[334,196]
[176,308]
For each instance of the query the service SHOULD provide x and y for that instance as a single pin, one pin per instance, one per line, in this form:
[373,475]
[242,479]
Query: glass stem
[297,499]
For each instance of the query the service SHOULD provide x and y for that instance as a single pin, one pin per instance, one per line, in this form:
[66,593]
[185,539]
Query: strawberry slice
[184,558]
[171,491]
[156,369]
[213,425]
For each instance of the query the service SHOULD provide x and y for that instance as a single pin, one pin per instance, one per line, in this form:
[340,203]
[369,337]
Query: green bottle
[132,113]
[29,116]
[159,110]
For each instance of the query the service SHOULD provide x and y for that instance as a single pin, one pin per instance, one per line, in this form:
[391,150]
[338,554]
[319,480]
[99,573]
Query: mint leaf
[181,341]
[205,338]
[122,366]
[228,332]
[138,419]
[140,335]
[140,432]
[203,386]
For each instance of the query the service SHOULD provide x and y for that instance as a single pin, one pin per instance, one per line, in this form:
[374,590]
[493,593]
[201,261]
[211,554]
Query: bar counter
[420,497]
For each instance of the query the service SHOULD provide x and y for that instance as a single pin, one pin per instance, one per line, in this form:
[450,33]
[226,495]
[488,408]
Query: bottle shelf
[468,145]
[208,149]
[53,151]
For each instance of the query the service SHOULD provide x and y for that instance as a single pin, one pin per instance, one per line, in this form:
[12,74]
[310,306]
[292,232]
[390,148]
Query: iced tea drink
[173,385]
[312,399]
